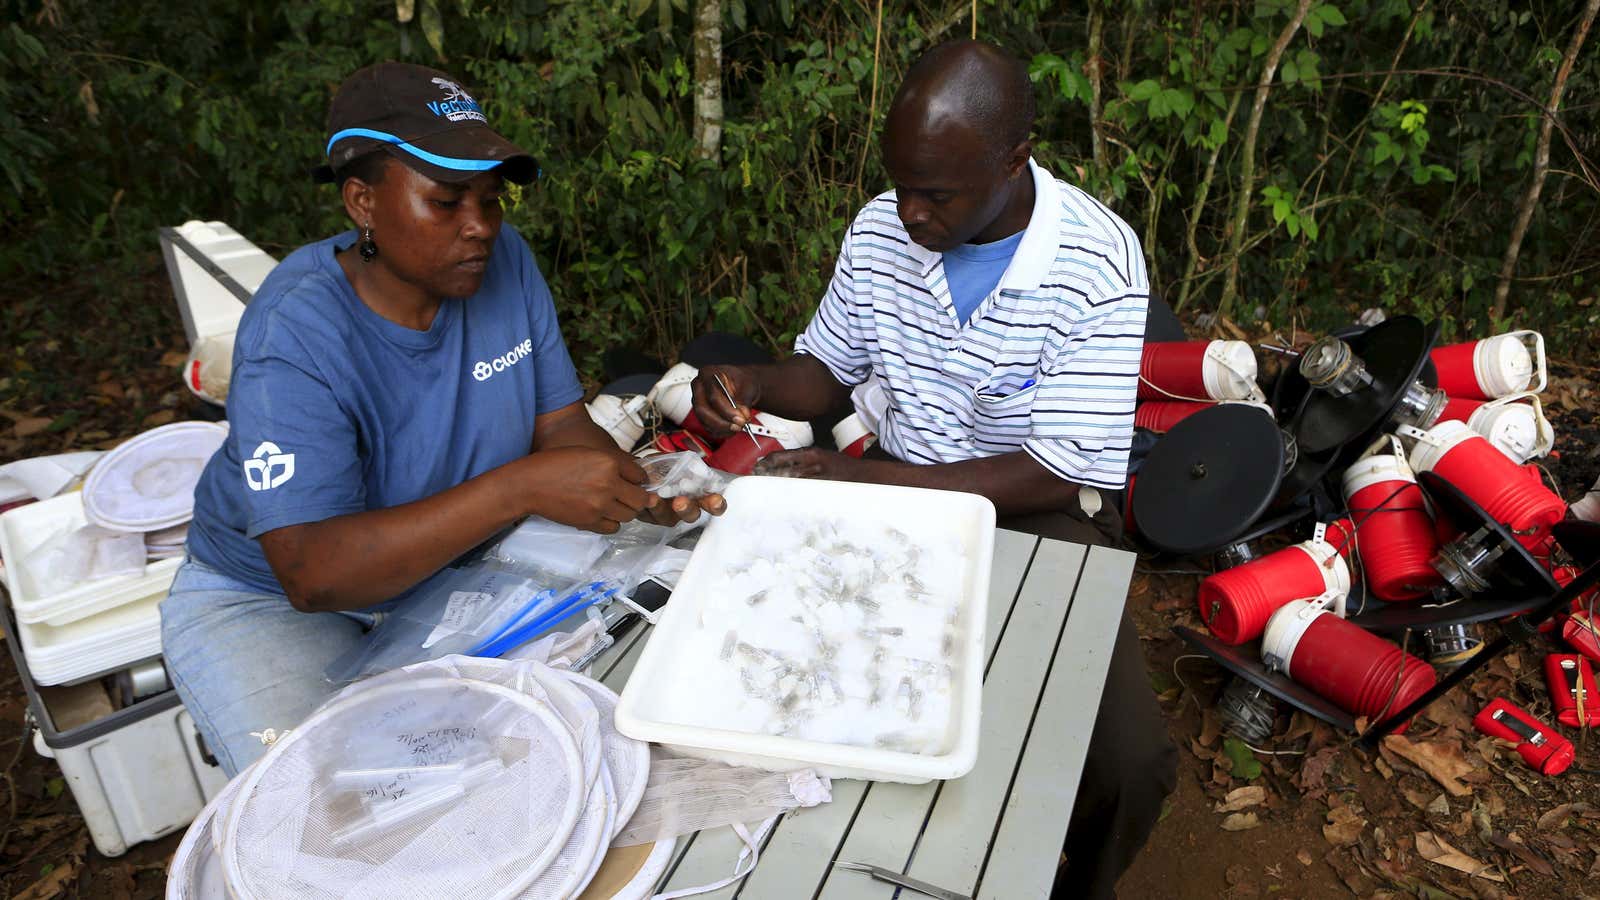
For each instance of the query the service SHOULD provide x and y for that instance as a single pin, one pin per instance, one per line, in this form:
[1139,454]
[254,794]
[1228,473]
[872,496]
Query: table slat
[1022,861]
[802,850]
[956,837]
[887,830]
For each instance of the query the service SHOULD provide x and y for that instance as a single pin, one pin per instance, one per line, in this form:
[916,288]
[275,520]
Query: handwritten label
[456,610]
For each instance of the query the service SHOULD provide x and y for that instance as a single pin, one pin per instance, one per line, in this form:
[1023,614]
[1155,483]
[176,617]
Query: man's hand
[596,490]
[711,404]
[812,462]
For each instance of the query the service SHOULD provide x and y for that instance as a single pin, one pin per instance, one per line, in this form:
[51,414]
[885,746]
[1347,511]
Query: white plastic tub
[24,529]
[664,681]
[113,639]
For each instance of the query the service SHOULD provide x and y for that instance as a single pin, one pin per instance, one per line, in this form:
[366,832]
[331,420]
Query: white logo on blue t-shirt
[484,370]
[259,469]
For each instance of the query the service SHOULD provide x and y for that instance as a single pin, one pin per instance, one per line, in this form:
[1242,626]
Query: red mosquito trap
[1494,367]
[679,441]
[853,437]
[1198,370]
[1236,603]
[1511,494]
[1358,671]
[1572,689]
[1161,416]
[1394,530]
[1540,746]
[1515,424]
[765,435]
[673,397]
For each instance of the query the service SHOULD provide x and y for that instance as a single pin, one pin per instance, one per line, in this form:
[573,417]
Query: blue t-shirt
[334,409]
[973,270]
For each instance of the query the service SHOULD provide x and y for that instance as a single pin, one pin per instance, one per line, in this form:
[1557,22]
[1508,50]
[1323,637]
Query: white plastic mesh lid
[196,871]
[416,788]
[579,859]
[627,760]
[147,483]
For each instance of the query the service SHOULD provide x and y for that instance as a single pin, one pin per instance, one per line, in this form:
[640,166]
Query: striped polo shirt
[1048,363]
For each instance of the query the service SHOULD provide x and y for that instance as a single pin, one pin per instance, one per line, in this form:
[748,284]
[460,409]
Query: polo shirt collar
[1037,252]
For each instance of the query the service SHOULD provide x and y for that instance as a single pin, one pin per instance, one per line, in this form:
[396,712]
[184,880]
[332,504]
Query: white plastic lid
[491,839]
[1284,631]
[627,760]
[672,396]
[147,483]
[1370,470]
[791,434]
[1517,429]
[1229,370]
[618,417]
[1503,364]
[849,430]
[1434,443]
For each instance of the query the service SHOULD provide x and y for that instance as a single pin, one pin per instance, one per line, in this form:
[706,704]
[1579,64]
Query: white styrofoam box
[212,308]
[99,643]
[137,782]
[24,529]
[663,677]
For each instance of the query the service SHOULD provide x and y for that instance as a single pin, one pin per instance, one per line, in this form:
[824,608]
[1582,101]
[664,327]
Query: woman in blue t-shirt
[400,393]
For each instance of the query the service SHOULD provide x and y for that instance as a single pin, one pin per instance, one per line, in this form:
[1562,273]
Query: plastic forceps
[905,881]
[729,394]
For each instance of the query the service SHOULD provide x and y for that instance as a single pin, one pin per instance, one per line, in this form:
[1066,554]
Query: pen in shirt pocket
[1025,385]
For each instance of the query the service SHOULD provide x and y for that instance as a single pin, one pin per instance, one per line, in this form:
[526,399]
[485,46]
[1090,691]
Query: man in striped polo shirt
[1000,312]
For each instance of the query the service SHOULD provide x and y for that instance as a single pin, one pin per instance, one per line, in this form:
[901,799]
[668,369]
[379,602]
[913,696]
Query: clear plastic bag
[540,545]
[685,795]
[682,474]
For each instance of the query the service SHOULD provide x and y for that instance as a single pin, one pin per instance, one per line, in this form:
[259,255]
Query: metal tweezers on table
[905,881]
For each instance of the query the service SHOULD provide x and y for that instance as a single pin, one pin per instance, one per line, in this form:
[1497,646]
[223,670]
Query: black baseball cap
[422,117]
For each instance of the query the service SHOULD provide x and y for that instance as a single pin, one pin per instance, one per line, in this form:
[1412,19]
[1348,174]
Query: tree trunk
[1096,73]
[708,78]
[1247,173]
[1202,193]
[1541,164]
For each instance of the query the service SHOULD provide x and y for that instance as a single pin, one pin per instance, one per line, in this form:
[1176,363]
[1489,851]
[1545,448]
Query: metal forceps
[905,881]
[729,394]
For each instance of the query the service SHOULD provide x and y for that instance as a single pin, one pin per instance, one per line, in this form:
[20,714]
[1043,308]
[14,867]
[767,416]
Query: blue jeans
[245,660]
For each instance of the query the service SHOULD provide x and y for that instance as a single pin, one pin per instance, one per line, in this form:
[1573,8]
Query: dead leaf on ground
[1344,826]
[1522,851]
[1242,798]
[173,359]
[1439,806]
[1442,760]
[56,881]
[1557,818]
[1436,850]
[160,417]
[1240,822]
[30,426]
[1418,798]
[1314,772]
[1210,727]
[1303,856]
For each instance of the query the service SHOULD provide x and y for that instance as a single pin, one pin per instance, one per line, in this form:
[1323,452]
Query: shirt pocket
[1005,407]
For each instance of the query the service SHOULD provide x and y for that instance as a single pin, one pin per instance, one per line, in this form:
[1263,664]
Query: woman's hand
[596,490]
[711,404]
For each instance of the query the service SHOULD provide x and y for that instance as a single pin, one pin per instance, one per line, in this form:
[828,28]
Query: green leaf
[54,787]
[1144,90]
[1293,222]
[1291,72]
[1244,763]
[1310,226]
[433,27]
[1280,211]
[1314,24]
[1331,14]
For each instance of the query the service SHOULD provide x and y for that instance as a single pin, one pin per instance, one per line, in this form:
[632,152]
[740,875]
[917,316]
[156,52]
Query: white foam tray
[662,677]
[24,529]
[99,643]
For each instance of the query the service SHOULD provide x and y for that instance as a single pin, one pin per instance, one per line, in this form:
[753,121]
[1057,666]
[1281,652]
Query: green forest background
[1286,161]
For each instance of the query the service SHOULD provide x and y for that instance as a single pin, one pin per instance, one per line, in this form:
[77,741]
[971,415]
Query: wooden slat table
[1054,609]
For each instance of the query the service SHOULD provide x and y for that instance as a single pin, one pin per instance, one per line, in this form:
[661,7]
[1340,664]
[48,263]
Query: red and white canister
[1394,530]
[1511,494]
[1198,370]
[852,436]
[1516,424]
[673,397]
[619,417]
[1359,672]
[1498,366]
[1236,603]
[739,453]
